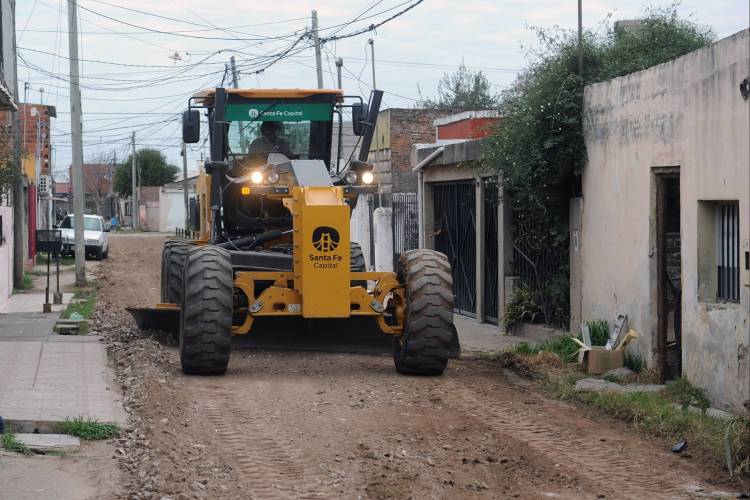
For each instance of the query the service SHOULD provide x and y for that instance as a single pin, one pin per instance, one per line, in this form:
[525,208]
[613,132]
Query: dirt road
[331,425]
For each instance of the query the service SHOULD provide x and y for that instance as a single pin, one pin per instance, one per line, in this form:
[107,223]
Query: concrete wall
[8,56]
[687,113]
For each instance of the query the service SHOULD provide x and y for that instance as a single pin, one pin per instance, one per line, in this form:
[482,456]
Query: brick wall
[393,164]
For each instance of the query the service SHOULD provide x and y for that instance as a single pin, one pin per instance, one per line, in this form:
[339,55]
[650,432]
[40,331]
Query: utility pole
[372,51]
[580,39]
[185,181]
[18,201]
[316,40]
[236,85]
[339,64]
[76,133]
[233,67]
[134,198]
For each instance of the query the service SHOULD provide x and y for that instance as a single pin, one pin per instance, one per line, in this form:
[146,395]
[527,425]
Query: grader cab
[272,235]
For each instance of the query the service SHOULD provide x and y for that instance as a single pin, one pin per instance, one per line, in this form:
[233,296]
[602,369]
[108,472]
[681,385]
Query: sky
[141,60]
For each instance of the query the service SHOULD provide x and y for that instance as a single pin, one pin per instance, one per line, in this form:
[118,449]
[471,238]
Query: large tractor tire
[425,345]
[357,262]
[164,269]
[206,312]
[175,265]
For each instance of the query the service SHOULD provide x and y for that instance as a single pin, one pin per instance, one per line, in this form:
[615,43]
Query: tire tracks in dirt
[267,465]
[616,470]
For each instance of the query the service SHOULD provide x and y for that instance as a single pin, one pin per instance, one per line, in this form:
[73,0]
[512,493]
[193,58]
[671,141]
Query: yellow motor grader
[272,237]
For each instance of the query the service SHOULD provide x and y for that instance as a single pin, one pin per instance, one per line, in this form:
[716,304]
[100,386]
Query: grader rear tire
[164,269]
[175,266]
[425,345]
[206,313]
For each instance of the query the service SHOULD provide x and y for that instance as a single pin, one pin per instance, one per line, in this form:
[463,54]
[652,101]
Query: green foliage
[634,362]
[152,167]
[538,146]
[7,163]
[563,346]
[26,284]
[522,307]
[10,443]
[599,331]
[461,90]
[89,429]
[684,393]
[84,304]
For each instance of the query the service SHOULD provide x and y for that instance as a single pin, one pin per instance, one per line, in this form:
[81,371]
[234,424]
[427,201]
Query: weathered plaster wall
[687,113]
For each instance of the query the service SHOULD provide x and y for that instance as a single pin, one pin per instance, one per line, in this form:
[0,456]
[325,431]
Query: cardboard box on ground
[601,359]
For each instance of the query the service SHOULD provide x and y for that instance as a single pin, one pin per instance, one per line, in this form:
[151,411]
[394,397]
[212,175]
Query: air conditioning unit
[45,184]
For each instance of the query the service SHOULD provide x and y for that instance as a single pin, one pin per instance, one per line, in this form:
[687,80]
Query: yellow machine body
[321,251]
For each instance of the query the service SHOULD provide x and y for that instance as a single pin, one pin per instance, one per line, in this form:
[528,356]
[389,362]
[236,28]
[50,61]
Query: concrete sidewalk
[32,302]
[45,378]
[478,337]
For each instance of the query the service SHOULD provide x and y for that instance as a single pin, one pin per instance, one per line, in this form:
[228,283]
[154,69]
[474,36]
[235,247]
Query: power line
[183,35]
[372,27]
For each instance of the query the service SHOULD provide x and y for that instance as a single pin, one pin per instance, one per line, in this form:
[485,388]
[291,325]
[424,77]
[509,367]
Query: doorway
[669,274]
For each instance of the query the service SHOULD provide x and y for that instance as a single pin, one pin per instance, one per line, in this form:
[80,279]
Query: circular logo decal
[253,113]
[325,239]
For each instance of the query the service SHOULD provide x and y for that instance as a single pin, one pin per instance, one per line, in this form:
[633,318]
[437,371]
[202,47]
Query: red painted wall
[32,222]
[474,128]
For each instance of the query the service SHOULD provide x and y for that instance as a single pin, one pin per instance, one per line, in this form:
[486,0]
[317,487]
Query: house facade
[662,232]
[8,108]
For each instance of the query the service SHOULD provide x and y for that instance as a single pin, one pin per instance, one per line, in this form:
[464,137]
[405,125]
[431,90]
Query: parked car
[94,233]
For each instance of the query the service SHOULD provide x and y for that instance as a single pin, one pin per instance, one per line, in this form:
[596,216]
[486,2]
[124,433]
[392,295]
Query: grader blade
[165,317]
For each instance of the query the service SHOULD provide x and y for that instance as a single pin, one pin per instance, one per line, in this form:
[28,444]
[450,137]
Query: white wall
[6,253]
[172,209]
[687,113]
[359,227]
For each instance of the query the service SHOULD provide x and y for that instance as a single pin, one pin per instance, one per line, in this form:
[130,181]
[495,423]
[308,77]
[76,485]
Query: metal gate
[491,268]
[405,224]
[455,236]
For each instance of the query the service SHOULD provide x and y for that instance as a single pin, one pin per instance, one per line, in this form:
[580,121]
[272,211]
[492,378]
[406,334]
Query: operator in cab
[270,140]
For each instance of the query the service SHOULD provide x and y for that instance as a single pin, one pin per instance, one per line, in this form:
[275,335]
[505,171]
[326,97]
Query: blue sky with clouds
[411,52]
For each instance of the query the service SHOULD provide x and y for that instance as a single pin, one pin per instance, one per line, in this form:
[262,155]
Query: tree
[538,147]
[97,179]
[153,170]
[7,164]
[461,90]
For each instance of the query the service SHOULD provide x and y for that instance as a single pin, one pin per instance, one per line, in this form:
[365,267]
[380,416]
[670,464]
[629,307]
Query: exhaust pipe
[372,117]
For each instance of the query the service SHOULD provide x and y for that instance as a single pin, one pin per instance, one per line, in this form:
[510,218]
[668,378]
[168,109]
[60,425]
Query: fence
[541,262]
[404,222]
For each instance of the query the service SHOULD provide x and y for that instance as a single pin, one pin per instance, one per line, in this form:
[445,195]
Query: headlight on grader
[272,177]
[351,177]
[368,177]
[256,177]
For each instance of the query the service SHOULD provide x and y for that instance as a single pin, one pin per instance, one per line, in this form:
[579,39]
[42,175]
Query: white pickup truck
[95,233]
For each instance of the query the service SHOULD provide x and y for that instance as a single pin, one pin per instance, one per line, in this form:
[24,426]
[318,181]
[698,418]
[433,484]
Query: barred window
[728,252]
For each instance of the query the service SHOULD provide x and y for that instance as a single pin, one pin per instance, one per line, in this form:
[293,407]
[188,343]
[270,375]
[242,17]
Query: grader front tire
[206,313]
[425,345]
